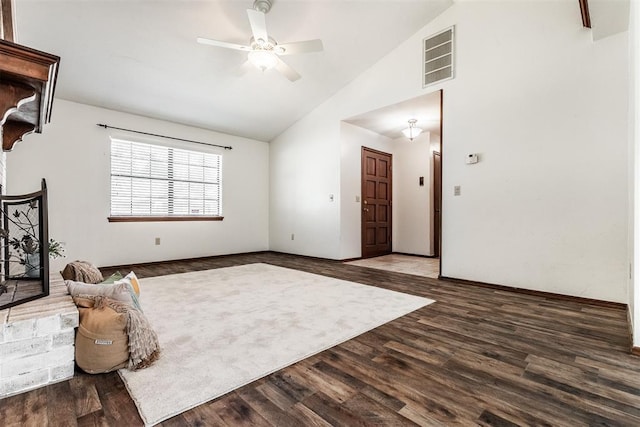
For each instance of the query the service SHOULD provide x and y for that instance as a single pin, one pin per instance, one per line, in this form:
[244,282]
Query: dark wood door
[437,202]
[376,203]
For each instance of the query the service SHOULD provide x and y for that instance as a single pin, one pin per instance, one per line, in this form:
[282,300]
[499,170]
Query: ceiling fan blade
[227,45]
[258,25]
[299,47]
[286,70]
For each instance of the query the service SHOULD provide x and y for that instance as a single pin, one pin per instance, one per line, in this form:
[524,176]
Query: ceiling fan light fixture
[412,131]
[263,6]
[263,51]
[263,59]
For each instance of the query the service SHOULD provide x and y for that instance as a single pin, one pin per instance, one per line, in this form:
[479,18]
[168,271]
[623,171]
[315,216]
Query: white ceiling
[608,17]
[141,56]
[391,120]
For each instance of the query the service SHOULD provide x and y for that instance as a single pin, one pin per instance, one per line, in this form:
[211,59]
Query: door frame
[441,183]
[437,213]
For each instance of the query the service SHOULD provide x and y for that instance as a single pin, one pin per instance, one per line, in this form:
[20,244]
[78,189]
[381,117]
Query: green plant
[56,249]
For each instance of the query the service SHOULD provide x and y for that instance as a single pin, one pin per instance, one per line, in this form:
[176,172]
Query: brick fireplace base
[37,341]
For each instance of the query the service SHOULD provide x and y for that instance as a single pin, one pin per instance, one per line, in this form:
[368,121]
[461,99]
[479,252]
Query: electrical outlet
[292,236]
[357,199]
[157,240]
[456,190]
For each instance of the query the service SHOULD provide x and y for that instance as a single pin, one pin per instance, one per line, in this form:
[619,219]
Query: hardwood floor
[477,356]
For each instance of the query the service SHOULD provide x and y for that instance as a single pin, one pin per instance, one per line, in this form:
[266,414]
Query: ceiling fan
[265,52]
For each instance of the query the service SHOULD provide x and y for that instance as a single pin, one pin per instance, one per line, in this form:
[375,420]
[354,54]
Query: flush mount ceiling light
[412,131]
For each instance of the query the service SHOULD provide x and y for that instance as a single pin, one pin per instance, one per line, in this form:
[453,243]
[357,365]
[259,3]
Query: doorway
[437,202]
[413,226]
[376,202]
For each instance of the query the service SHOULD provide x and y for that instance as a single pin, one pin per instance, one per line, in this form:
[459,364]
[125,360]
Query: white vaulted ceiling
[142,57]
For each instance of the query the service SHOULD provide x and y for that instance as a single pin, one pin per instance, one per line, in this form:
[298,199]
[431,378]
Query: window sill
[163,218]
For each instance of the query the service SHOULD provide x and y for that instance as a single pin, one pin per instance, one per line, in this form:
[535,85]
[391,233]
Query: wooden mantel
[27,84]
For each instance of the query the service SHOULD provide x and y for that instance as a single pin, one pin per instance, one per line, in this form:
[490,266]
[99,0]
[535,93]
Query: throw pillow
[111,279]
[102,343]
[118,291]
[132,279]
[113,335]
[82,271]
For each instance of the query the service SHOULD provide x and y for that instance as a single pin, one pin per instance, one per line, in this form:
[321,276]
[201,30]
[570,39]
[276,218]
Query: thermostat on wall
[472,159]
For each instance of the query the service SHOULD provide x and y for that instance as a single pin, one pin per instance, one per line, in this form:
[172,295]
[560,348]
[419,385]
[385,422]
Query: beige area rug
[407,264]
[221,329]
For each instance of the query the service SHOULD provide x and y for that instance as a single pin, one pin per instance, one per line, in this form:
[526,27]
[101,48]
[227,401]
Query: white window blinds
[154,180]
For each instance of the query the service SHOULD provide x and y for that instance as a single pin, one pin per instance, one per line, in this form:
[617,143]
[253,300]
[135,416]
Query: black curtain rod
[226,147]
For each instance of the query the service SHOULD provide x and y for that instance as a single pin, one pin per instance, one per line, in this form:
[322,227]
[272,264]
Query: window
[155,182]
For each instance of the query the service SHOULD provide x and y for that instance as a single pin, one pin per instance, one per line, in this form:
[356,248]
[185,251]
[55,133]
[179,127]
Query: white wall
[546,108]
[634,175]
[412,202]
[303,176]
[546,207]
[73,154]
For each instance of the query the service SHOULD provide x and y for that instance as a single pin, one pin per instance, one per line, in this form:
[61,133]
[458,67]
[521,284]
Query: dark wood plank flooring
[477,356]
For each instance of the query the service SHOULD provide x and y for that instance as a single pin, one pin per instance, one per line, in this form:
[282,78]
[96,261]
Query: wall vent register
[438,57]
